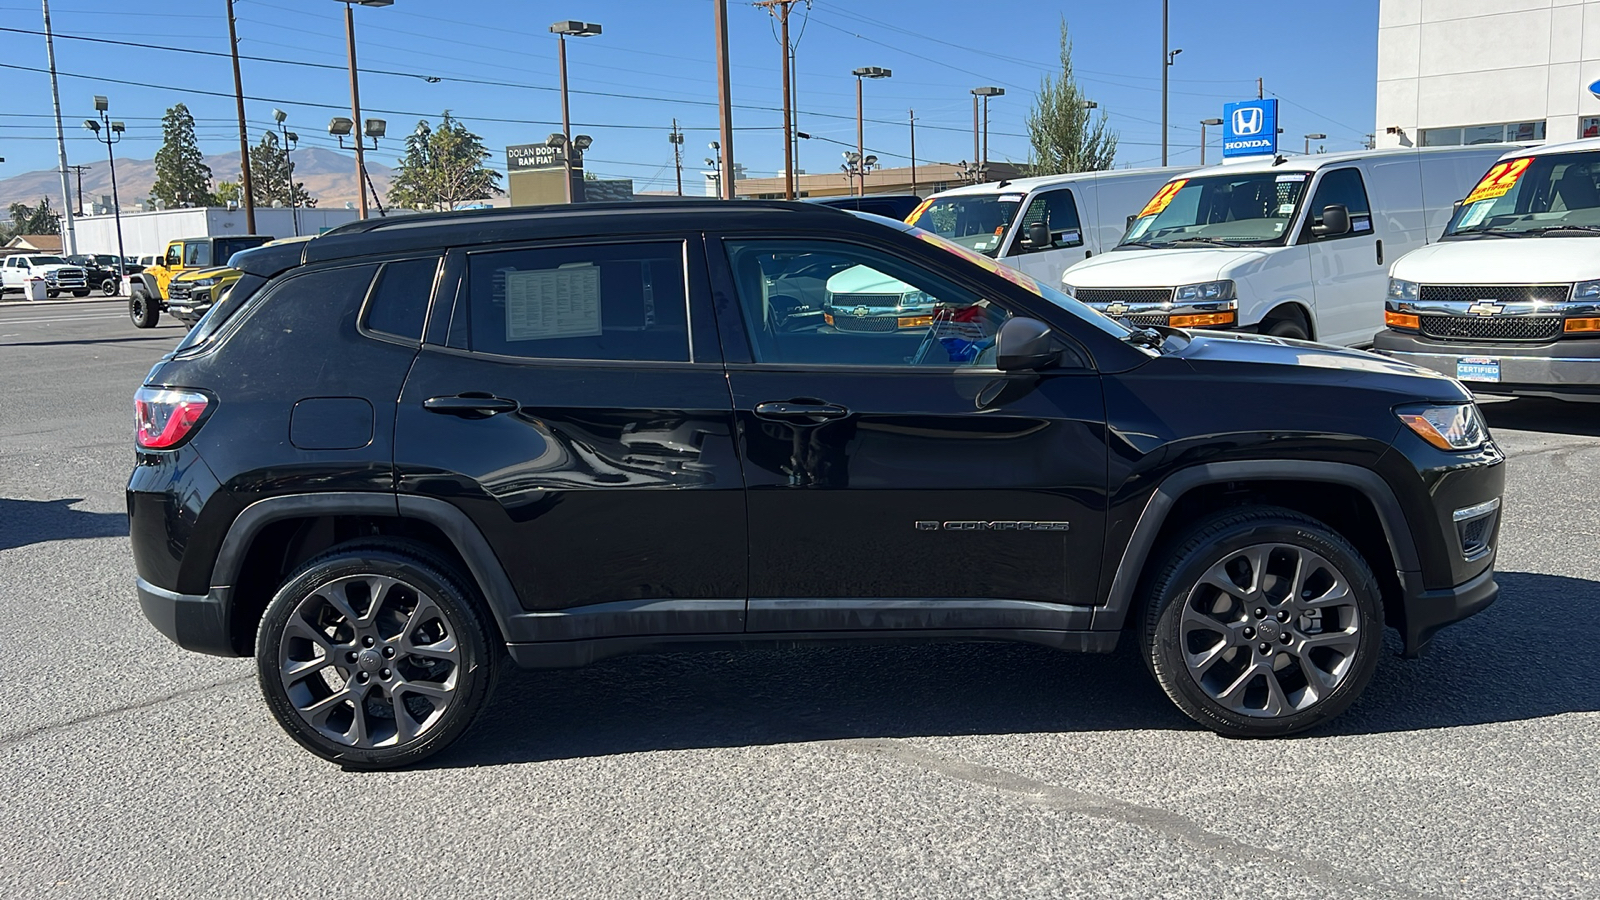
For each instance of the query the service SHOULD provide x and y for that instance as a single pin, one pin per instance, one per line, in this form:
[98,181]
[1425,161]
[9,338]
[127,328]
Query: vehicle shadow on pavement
[1544,415]
[1477,672]
[88,341]
[24,522]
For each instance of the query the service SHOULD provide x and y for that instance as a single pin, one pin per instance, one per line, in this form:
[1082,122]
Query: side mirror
[1039,235]
[1023,344]
[1335,221]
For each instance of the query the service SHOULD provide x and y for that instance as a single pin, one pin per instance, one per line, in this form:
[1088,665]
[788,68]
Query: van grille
[1125,295]
[1497,328]
[1503,293]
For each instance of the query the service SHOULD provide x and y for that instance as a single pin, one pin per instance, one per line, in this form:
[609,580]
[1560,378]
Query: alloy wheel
[1270,630]
[369,661]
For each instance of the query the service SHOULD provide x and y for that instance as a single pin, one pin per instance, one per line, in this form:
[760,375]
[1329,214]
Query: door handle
[471,405]
[814,410]
[1380,251]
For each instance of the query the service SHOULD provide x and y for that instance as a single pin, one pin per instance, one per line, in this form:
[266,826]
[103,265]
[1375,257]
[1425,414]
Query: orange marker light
[1583,326]
[1402,320]
[1202,320]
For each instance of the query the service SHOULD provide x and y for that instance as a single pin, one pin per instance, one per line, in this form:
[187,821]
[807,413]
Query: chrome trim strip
[1473,512]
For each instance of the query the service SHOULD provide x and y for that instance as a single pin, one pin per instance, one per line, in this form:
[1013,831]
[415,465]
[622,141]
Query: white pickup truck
[59,275]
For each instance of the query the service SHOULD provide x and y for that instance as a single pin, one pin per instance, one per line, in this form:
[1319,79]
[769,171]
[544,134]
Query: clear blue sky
[655,61]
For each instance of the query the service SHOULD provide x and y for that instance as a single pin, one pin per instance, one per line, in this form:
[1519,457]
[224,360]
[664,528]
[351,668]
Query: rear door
[576,409]
[1349,269]
[897,480]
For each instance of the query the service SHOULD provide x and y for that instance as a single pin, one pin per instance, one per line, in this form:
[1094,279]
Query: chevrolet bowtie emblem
[1116,309]
[861,312]
[1486,308]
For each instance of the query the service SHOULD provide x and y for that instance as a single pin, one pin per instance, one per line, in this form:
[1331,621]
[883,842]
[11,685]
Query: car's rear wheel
[1286,326]
[52,294]
[82,293]
[1263,622]
[142,309]
[108,287]
[375,654]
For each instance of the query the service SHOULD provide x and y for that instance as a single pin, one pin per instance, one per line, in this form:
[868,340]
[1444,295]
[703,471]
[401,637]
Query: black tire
[108,287]
[417,595]
[142,309]
[1267,622]
[1290,327]
[82,293]
[52,294]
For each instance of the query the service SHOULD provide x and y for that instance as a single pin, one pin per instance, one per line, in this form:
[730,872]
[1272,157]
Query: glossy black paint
[720,497]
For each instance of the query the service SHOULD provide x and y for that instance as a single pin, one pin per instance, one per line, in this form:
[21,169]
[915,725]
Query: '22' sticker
[1163,198]
[1500,180]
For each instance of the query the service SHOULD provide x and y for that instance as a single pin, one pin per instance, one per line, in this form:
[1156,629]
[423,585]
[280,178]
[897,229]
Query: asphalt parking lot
[131,768]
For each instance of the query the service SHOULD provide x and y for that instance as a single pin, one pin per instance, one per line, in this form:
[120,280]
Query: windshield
[1248,208]
[1533,193]
[49,261]
[974,221]
[226,248]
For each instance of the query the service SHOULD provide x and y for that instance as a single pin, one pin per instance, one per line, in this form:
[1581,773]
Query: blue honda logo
[1247,121]
[1250,128]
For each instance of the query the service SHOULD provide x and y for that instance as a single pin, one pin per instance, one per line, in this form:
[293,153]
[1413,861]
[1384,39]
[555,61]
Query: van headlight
[1587,291]
[1204,292]
[1071,290]
[1455,426]
[1402,291]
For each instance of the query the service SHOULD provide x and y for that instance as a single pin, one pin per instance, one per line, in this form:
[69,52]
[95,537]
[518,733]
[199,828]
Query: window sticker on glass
[1500,180]
[1010,198]
[1474,216]
[1163,198]
[1285,208]
[1071,237]
[552,303]
[1291,176]
[917,213]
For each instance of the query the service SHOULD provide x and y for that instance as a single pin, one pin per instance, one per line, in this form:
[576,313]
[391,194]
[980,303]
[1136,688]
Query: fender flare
[482,564]
[148,282]
[1396,530]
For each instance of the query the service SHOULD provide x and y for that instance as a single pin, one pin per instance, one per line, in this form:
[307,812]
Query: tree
[182,177]
[443,167]
[1059,132]
[271,171]
[229,192]
[27,219]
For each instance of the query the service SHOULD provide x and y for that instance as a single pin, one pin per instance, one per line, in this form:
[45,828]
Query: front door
[1349,270]
[897,480]
[1057,209]
[582,424]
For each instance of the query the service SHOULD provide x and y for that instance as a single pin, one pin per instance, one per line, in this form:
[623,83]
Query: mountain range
[328,176]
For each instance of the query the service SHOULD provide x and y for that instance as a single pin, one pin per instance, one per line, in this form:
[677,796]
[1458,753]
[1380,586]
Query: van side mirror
[1335,221]
[1455,208]
[1023,344]
[1039,235]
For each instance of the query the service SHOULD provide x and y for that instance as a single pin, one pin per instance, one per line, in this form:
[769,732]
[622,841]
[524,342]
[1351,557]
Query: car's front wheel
[1263,622]
[375,654]
[142,309]
[108,287]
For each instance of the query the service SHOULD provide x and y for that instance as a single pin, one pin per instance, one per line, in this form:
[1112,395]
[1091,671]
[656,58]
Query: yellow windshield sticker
[1500,180]
[917,213]
[1163,198]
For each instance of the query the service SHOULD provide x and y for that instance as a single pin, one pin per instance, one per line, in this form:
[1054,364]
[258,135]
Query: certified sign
[1250,128]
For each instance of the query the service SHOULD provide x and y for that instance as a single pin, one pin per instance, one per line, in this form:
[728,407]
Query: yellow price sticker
[1163,198]
[917,213]
[1500,180]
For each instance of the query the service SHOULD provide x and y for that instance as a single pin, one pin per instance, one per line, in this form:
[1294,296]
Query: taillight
[164,418]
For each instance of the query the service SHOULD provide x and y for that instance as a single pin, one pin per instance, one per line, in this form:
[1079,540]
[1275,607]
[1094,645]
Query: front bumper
[1561,367]
[193,622]
[1427,612]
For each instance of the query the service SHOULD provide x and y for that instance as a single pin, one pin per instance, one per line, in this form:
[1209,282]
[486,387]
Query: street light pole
[290,141]
[355,96]
[1203,124]
[1313,137]
[725,185]
[981,153]
[563,30]
[861,75]
[912,114]
[108,132]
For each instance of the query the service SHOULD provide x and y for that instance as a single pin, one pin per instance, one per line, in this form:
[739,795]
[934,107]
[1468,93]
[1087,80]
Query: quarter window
[603,301]
[400,302]
[822,303]
[1343,186]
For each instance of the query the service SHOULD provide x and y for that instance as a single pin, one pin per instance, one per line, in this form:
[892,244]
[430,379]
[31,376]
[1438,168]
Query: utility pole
[80,170]
[677,153]
[1261,93]
[779,9]
[913,117]
[724,100]
[794,116]
[68,232]
[1166,63]
[244,133]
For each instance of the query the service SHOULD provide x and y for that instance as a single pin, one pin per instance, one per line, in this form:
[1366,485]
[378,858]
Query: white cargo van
[1508,301]
[1294,246]
[1042,225]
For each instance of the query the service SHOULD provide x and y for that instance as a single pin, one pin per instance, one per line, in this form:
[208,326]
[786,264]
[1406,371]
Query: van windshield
[1228,210]
[974,221]
[1532,195]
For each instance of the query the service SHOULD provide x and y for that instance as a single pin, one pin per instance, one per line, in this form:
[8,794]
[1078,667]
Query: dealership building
[1478,71]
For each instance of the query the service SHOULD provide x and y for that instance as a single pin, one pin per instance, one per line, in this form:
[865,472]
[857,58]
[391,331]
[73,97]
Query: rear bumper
[1429,611]
[1560,367]
[193,622]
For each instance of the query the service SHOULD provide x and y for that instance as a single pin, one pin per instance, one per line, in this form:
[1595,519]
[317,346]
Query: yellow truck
[149,292]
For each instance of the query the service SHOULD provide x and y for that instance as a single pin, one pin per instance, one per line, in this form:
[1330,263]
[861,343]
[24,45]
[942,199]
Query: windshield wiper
[1555,229]
[1208,241]
[1133,244]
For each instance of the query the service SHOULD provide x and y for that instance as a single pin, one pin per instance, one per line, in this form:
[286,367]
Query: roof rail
[412,220]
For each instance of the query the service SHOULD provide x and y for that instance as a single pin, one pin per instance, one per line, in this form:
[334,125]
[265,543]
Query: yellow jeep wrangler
[149,292]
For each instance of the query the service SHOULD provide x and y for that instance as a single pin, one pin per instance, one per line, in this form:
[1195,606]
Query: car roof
[1578,146]
[426,231]
[1023,185]
[1311,163]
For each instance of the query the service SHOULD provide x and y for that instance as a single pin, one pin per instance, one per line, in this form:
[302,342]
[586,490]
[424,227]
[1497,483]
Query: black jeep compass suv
[401,453]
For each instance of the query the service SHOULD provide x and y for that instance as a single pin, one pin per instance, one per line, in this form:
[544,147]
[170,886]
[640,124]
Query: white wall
[1444,63]
[149,232]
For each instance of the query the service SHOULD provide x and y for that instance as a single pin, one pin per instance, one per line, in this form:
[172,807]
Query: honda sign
[1250,128]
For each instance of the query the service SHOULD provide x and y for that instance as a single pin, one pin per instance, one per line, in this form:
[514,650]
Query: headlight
[1071,290]
[1586,290]
[1401,290]
[1454,427]
[915,298]
[1204,292]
